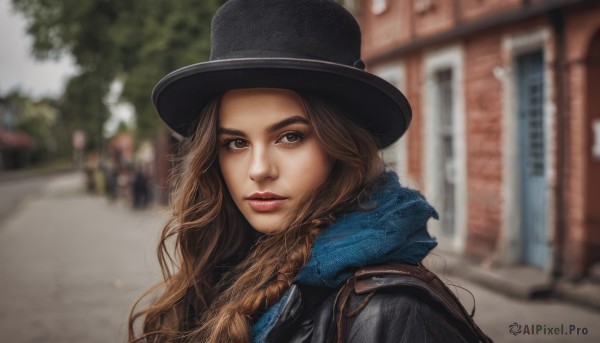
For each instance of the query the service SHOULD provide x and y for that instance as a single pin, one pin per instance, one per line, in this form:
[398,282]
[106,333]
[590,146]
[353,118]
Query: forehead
[257,106]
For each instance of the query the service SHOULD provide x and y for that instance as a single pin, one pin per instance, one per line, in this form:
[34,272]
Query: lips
[265,202]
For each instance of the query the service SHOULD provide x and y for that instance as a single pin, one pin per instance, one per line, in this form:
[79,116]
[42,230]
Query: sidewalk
[19,174]
[519,282]
[522,282]
[73,264]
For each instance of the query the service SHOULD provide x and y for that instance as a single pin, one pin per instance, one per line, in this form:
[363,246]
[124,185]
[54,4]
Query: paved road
[72,264]
[15,191]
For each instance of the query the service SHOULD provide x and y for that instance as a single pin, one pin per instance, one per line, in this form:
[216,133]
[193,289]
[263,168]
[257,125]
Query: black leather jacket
[389,312]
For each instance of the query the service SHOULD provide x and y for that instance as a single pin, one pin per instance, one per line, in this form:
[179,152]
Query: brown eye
[291,137]
[236,143]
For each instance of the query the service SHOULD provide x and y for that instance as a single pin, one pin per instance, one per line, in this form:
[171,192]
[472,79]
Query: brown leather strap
[340,305]
[368,280]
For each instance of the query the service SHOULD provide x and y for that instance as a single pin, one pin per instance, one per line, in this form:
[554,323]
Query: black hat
[310,46]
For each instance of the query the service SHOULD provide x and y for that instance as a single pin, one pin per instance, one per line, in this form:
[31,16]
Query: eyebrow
[270,129]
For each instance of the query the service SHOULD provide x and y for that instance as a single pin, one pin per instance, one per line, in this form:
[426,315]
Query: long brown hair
[221,279]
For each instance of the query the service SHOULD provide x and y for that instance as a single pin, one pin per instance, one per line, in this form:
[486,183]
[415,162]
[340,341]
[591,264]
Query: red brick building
[505,138]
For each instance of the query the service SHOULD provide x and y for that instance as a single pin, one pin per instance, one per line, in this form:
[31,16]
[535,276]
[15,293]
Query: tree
[83,107]
[38,118]
[136,41]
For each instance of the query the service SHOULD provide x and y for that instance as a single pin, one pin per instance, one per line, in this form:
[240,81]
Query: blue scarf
[394,230]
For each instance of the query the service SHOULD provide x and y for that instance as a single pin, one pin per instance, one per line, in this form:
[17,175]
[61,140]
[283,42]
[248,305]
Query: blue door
[530,85]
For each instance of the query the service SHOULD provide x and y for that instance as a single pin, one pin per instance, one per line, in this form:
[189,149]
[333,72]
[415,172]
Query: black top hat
[306,45]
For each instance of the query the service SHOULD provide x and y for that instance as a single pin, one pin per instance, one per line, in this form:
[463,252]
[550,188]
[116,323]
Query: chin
[267,227]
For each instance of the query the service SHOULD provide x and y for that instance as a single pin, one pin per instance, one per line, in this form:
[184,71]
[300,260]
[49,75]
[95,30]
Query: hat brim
[371,101]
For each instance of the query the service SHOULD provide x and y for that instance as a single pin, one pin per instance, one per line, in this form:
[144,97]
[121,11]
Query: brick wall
[579,250]
[483,106]
[470,10]
[414,80]
[385,30]
[433,19]
[484,111]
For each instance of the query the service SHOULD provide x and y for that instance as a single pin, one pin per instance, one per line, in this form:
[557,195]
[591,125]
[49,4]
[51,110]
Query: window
[422,6]
[379,6]
[443,81]
[445,144]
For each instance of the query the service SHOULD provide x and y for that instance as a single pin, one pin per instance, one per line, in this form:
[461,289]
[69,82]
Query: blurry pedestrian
[141,194]
[287,226]
[90,179]
[124,180]
[90,170]
[110,176]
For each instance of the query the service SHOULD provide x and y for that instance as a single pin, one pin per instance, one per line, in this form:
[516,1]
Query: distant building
[505,137]
[14,145]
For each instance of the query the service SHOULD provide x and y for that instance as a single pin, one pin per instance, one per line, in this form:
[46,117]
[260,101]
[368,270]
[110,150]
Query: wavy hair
[219,279]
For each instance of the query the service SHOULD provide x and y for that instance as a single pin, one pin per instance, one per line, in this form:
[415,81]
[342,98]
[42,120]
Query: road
[72,264]
[14,192]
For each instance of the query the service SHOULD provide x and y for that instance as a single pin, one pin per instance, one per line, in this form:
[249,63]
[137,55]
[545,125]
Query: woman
[284,215]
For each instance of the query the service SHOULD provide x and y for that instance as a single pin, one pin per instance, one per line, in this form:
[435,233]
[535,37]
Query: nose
[263,166]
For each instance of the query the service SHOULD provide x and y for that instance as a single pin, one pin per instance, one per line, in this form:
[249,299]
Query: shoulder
[403,303]
[393,316]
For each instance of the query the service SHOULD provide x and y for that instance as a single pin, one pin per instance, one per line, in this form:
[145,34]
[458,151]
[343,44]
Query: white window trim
[395,73]
[423,6]
[379,6]
[450,57]
[510,234]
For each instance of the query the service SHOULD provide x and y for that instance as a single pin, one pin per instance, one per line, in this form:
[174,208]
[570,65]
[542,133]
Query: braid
[231,320]
[296,259]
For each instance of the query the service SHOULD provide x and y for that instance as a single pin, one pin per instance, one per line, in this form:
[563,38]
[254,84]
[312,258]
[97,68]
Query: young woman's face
[269,155]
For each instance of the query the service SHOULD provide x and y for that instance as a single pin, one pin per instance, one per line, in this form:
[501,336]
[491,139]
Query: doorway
[532,158]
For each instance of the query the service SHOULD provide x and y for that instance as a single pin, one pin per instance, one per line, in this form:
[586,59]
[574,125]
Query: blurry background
[504,141]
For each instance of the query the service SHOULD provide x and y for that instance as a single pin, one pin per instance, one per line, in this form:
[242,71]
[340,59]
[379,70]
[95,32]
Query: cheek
[313,169]
[228,168]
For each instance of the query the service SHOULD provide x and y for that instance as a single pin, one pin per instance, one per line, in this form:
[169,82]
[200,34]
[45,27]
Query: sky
[18,68]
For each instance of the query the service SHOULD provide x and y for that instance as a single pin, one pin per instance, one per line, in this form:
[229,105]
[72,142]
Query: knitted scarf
[393,230]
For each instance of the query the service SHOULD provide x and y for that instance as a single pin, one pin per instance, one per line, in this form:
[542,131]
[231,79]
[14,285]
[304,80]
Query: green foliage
[122,127]
[136,41]
[168,35]
[83,107]
[40,119]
